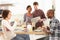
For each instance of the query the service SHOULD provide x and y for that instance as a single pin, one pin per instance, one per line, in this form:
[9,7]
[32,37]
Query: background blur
[19,6]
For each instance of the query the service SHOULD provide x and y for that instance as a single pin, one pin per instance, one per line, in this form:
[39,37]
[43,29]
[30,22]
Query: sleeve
[52,25]
[51,30]
[24,17]
[57,22]
[11,28]
[42,14]
[33,14]
[56,25]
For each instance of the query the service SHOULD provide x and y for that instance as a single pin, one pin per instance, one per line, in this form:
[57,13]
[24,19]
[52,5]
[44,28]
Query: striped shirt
[55,29]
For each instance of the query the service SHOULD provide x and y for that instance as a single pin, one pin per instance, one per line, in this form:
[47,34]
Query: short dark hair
[5,13]
[39,24]
[28,7]
[35,3]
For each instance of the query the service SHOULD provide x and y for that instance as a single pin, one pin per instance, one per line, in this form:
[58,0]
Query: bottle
[29,27]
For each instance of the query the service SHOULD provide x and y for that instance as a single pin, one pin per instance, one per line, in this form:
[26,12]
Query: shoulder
[33,12]
[55,20]
[25,13]
[40,9]
[4,22]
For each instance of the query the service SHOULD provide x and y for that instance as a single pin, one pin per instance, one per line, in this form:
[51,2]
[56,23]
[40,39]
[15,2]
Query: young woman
[8,30]
[28,15]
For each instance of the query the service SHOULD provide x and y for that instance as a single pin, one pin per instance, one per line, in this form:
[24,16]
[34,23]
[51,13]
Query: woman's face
[29,9]
[9,15]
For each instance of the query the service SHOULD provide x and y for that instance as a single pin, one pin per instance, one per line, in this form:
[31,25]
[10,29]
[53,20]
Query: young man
[54,26]
[38,12]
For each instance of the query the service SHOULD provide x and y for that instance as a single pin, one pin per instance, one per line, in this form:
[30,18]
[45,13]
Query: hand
[49,32]
[25,29]
[16,20]
[44,29]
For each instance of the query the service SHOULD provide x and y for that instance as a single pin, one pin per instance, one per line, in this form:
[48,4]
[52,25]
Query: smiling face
[9,15]
[29,9]
[6,14]
[35,4]
[35,7]
[50,14]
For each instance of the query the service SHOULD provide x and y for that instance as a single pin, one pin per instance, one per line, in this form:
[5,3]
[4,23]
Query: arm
[47,30]
[11,28]
[42,15]
[24,17]
[54,25]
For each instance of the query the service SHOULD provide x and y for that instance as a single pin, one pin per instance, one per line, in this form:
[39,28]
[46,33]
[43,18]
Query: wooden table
[34,35]
[40,33]
[1,33]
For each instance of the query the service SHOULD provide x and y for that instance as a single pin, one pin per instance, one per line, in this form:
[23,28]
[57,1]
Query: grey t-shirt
[27,19]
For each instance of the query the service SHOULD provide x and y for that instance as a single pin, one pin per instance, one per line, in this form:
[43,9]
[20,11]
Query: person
[27,19]
[40,26]
[38,12]
[54,25]
[28,16]
[7,29]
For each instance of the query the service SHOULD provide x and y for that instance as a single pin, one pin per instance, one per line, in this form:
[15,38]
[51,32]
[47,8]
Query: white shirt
[6,25]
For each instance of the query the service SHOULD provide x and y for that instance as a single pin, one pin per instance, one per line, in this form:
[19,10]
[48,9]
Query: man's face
[35,7]
[50,14]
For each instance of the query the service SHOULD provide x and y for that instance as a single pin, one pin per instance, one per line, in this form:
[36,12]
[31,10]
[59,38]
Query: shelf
[6,4]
